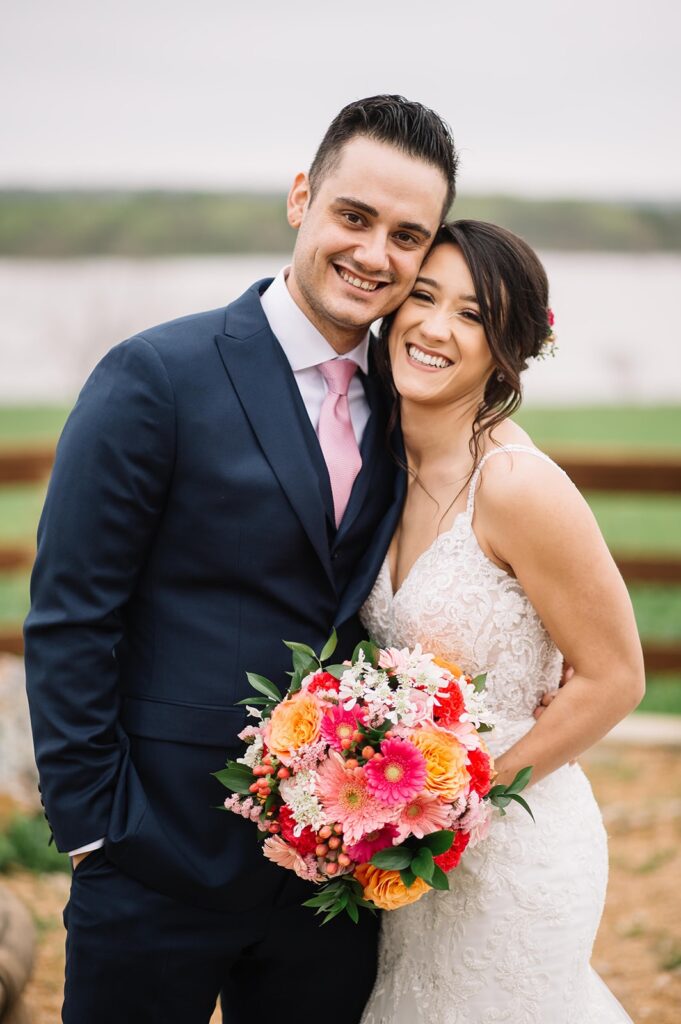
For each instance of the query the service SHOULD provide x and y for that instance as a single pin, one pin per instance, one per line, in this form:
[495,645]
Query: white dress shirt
[305,348]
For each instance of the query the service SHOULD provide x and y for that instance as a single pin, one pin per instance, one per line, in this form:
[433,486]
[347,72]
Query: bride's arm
[531,517]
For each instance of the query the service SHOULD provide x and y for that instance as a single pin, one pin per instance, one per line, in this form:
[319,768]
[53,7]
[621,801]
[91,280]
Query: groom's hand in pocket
[78,858]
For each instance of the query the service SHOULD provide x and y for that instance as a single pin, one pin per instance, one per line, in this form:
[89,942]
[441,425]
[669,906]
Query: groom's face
[362,236]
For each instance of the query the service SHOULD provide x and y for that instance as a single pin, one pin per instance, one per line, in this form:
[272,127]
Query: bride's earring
[501,376]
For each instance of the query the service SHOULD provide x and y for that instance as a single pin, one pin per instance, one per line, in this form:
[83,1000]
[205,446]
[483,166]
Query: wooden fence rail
[592,469]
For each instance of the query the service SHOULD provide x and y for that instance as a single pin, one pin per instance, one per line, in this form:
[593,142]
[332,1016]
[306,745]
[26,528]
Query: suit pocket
[182,723]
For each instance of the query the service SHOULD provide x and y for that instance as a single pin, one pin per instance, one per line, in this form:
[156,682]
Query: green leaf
[497,796]
[523,803]
[264,686]
[422,864]
[520,781]
[303,663]
[329,647]
[237,778]
[342,901]
[336,670]
[322,899]
[301,649]
[257,702]
[439,879]
[296,681]
[353,912]
[479,682]
[408,877]
[393,859]
[439,842]
[370,652]
[483,727]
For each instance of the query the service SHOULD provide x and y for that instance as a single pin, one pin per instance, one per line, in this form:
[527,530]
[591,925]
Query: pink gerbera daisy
[338,725]
[371,843]
[398,773]
[421,816]
[346,798]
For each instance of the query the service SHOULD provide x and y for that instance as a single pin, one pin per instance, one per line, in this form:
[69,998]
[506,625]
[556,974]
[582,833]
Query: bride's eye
[422,296]
[471,315]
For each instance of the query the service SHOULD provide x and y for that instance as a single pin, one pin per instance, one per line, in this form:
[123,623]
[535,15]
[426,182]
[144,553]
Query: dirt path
[638,950]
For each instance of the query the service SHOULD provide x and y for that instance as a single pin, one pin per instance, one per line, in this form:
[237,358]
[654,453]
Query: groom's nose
[372,253]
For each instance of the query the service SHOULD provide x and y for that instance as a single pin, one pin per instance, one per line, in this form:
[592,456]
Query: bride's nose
[436,326]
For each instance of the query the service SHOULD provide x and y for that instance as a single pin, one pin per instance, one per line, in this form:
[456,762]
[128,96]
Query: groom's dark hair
[409,126]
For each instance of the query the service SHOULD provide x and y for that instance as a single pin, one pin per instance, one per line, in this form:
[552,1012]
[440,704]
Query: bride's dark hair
[513,295]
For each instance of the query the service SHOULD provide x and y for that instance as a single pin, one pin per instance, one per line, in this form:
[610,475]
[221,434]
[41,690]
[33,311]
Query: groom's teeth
[367,286]
[422,357]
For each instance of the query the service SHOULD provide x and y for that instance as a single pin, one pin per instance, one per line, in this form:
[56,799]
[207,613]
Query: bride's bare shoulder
[519,478]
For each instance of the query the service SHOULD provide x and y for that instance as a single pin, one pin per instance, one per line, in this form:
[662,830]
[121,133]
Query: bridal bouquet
[371,777]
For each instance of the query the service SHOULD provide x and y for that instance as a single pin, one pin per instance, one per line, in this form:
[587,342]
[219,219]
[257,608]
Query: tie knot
[338,373]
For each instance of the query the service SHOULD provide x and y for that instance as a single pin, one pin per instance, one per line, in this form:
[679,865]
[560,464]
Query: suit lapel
[267,391]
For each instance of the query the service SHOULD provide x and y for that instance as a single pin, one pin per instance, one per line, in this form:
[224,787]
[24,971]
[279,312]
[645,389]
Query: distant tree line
[62,224]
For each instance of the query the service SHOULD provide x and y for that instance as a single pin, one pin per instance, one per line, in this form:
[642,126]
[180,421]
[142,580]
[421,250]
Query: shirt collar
[303,344]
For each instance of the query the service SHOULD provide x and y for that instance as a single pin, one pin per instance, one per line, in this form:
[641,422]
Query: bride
[499,566]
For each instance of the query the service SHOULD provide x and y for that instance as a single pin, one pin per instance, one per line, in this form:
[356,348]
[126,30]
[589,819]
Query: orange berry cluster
[331,852]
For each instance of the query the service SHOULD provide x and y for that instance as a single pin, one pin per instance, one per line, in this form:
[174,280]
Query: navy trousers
[136,956]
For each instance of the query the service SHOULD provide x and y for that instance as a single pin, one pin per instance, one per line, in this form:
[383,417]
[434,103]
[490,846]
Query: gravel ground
[638,950]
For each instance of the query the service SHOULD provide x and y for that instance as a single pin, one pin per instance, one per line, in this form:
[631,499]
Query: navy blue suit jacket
[187,530]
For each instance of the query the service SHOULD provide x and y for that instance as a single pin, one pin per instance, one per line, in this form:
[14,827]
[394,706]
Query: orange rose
[445,761]
[386,888]
[294,723]
[449,666]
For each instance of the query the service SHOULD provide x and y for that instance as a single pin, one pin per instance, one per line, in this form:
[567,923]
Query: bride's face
[437,344]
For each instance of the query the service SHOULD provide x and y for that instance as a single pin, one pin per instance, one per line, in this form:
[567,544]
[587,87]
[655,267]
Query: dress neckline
[466,513]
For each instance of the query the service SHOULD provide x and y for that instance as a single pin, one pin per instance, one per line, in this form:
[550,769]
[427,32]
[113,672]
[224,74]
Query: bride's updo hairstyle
[513,295]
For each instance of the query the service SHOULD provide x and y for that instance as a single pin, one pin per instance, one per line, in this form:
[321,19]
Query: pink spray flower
[398,773]
[422,815]
[338,725]
[371,843]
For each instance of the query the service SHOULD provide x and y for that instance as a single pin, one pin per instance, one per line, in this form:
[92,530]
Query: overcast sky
[571,98]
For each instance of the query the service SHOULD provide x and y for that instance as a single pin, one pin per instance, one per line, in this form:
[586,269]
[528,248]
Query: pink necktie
[336,436]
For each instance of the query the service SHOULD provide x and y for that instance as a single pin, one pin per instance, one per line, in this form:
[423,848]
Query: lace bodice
[464,608]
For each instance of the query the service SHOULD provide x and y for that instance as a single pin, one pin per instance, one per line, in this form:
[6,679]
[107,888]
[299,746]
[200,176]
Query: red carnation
[480,771]
[451,705]
[322,681]
[449,860]
[304,843]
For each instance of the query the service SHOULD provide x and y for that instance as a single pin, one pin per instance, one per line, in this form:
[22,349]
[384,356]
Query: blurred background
[146,151]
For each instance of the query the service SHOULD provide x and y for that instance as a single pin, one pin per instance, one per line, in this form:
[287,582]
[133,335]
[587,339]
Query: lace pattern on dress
[510,942]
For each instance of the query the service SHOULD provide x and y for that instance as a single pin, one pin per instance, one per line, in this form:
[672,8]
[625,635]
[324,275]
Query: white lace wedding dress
[510,942]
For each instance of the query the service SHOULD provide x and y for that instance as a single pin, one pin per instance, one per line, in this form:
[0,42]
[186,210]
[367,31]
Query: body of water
[617,322]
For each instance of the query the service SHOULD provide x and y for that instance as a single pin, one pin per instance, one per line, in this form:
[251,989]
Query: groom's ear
[298,200]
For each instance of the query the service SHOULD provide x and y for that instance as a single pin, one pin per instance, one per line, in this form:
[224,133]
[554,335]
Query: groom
[223,483]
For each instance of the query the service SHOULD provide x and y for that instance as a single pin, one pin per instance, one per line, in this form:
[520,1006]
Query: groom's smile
[363,233]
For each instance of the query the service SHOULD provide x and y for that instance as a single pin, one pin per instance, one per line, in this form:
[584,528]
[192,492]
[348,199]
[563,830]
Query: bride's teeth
[367,286]
[422,357]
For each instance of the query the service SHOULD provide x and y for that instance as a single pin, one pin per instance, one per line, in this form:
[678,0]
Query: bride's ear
[298,199]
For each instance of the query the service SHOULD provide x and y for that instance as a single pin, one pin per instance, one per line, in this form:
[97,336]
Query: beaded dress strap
[496,451]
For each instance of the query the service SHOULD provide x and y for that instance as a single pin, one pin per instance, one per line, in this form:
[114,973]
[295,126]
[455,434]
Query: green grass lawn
[630,523]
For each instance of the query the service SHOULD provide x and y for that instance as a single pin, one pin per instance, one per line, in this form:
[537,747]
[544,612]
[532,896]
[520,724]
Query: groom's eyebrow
[373,212]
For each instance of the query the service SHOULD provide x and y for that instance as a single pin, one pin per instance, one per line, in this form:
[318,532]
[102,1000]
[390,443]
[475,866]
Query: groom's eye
[405,238]
[353,218]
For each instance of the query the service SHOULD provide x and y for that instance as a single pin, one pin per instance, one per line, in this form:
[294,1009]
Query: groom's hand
[567,675]
[78,858]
